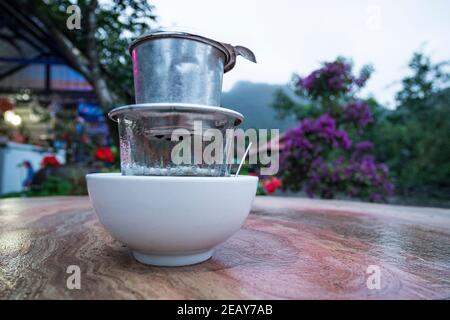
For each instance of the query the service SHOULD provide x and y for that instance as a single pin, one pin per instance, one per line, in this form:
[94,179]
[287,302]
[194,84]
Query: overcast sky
[295,36]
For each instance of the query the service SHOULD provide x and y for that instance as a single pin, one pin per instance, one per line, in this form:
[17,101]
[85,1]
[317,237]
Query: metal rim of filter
[159,108]
[226,49]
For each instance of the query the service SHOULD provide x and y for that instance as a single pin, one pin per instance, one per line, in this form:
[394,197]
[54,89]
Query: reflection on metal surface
[182,67]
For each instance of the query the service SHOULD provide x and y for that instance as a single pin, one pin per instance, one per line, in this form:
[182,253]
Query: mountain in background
[254,101]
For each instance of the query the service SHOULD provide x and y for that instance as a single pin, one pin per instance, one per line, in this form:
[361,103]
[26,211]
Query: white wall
[12,155]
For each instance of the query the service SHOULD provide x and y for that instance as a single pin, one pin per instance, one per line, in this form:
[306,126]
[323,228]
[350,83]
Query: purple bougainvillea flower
[364,146]
[324,155]
[358,112]
[309,82]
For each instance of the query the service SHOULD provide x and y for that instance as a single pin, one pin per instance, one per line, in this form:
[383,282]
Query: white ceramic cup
[171,221]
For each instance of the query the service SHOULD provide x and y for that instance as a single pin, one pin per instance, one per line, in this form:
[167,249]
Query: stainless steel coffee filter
[179,67]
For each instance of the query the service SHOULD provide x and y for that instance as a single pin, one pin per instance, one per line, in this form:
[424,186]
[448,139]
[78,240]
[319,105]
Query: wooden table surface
[289,248]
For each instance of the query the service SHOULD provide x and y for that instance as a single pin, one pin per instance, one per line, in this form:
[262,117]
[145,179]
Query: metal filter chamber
[180,67]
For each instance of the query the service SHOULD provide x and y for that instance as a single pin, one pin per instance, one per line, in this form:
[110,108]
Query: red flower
[50,161]
[6,104]
[271,185]
[104,154]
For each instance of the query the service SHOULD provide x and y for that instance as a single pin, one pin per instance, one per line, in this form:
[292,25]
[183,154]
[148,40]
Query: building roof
[30,60]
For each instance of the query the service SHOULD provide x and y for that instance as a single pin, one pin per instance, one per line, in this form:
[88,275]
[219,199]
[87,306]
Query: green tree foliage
[413,139]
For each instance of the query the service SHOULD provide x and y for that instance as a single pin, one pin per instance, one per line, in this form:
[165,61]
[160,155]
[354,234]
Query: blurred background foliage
[411,139]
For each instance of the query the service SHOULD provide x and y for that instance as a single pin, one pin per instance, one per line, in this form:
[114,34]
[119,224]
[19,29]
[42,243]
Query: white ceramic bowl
[171,221]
